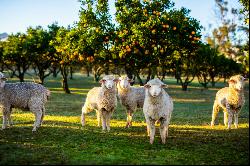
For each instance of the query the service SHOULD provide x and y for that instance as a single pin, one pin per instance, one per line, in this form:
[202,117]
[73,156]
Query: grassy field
[62,140]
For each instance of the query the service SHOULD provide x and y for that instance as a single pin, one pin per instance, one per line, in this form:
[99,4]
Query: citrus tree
[16,54]
[149,33]
[96,31]
[41,52]
[64,56]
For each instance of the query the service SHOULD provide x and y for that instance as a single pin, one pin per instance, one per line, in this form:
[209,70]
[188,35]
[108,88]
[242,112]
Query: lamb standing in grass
[130,97]
[25,95]
[231,99]
[158,106]
[103,99]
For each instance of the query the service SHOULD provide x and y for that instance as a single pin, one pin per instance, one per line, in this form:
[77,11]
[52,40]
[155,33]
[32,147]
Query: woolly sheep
[158,106]
[130,97]
[102,99]
[25,95]
[231,99]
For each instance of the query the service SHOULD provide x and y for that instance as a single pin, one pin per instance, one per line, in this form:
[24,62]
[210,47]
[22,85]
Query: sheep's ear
[164,86]
[131,80]
[231,81]
[146,86]
[4,79]
[101,81]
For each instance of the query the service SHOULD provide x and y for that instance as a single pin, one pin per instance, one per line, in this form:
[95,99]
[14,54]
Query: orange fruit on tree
[81,58]
[174,28]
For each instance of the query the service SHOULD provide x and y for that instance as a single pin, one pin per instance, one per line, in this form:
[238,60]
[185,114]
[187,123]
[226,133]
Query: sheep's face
[237,82]
[155,89]
[108,82]
[124,82]
[2,80]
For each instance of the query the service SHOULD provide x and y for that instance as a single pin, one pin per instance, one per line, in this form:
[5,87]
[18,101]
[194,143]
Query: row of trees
[150,38]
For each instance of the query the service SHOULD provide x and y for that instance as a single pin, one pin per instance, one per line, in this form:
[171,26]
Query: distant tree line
[151,38]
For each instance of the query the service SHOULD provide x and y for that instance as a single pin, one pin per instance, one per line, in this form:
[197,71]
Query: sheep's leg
[6,114]
[230,116]
[43,113]
[230,119]
[129,119]
[163,130]
[108,117]
[225,117]
[236,116]
[148,126]
[215,112]
[151,127]
[148,130]
[103,117]
[98,116]
[10,122]
[38,116]
[84,111]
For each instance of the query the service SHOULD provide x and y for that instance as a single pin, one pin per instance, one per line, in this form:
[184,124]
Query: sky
[18,15]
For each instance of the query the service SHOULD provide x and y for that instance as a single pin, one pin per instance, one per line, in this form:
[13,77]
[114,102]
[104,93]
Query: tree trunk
[184,86]
[149,75]
[139,79]
[21,77]
[71,73]
[212,82]
[65,80]
[88,71]
[129,72]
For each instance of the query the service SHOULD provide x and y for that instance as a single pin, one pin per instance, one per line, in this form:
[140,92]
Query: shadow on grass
[70,143]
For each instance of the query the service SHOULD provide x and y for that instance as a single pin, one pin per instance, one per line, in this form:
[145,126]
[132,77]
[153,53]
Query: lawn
[62,139]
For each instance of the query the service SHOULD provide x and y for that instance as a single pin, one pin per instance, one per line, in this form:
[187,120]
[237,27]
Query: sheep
[130,97]
[231,100]
[23,95]
[158,106]
[102,99]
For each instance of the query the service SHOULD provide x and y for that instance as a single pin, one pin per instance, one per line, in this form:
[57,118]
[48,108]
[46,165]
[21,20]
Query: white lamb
[158,106]
[231,100]
[102,99]
[23,95]
[130,97]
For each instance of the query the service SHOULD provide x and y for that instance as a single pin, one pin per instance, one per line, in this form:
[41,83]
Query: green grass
[62,140]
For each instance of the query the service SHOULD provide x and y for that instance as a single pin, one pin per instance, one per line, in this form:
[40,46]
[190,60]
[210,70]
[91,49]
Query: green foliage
[245,10]
[62,140]
[17,55]
[149,33]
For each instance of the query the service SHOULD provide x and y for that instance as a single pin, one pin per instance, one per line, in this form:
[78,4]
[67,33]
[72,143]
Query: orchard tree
[208,65]
[42,55]
[64,56]
[96,36]
[16,55]
[142,35]
[148,35]
[1,56]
